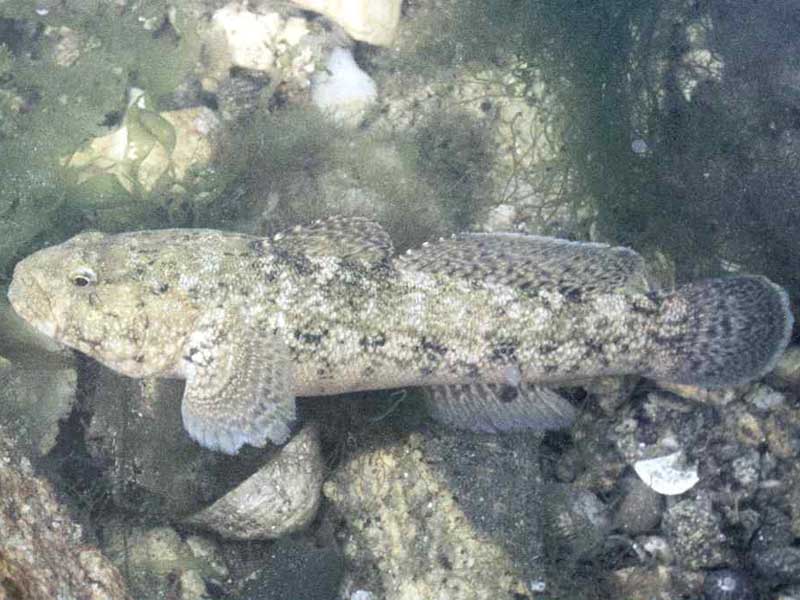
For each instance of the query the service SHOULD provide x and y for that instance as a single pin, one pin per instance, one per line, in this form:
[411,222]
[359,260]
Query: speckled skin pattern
[327,309]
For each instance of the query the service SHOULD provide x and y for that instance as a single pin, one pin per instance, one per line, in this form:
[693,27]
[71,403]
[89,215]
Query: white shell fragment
[668,475]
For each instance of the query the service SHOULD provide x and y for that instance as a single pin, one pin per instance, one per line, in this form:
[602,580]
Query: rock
[34,401]
[279,47]
[371,21]
[296,569]
[282,497]
[642,583]
[441,514]
[764,397]
[778,565]
[161,564]
[42,553]
[640,508]
[343,90]
[575,523]
[787,371]
[151,465]
[694,530]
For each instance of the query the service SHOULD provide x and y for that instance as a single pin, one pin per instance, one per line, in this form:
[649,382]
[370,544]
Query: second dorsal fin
[530,261]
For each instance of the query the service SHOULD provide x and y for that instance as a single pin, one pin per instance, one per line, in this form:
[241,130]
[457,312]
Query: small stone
[668,475]
[575,523]
[778,565]
[282,497]
[787,371]
[764,397]
[640,509]
[642,583]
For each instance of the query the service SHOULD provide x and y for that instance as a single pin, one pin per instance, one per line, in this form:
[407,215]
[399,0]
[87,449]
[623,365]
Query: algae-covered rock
[441,514]
[160,563]
[42,553]
[149,149]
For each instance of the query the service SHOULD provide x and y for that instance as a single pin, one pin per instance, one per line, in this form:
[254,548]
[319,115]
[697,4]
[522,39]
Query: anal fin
[495,408]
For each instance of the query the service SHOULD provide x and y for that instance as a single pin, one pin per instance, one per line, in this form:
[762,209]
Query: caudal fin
[721,332]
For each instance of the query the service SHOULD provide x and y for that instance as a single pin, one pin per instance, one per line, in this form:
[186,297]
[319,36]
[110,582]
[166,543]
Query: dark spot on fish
[432,346]
[309,338]
[508,393]
[139,358]
[503,351]
[374,341]
[160,288]
[548,348]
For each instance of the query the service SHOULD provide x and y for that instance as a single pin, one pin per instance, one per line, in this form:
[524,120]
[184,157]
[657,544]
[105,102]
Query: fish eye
[83,277]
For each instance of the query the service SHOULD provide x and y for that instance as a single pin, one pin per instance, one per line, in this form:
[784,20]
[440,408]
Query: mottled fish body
[485,321]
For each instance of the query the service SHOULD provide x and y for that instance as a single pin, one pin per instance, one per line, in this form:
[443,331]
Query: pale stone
[371,21]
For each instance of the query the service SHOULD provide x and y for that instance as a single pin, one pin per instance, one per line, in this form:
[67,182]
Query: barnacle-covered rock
[695,531]
[727,584]
[42,553]
[281,497]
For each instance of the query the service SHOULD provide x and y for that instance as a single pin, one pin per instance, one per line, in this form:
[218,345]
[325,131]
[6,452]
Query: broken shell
[283,496]
[668,475]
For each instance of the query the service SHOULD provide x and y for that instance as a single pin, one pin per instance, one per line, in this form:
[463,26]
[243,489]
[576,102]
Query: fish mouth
[31,303]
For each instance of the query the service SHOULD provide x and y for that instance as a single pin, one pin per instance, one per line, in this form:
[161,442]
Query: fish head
[93,294]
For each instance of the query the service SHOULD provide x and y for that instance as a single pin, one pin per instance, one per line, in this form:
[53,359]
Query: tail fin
[721,332]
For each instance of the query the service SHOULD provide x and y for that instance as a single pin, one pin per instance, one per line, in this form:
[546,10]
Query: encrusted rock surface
[441,514]
[42,553]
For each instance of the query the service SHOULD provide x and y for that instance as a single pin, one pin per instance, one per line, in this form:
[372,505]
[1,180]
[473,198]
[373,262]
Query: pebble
[640,508]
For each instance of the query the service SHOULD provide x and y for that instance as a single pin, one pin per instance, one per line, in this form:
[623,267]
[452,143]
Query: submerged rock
[694,529]
[42,553]
[162,564]
[441,514]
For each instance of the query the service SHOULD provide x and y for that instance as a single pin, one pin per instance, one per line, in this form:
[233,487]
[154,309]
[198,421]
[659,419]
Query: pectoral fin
[238,384]
[494,408]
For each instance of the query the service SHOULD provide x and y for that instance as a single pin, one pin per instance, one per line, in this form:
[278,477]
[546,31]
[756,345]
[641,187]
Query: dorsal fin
[352,238]
[530,261]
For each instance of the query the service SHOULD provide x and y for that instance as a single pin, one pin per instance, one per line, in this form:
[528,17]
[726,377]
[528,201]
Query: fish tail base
[721,332]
